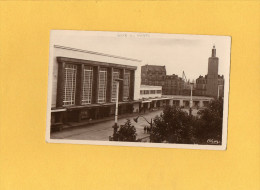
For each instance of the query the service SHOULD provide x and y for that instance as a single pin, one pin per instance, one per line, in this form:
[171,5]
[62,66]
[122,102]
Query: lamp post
[191,102]
[116,111]
[150,123]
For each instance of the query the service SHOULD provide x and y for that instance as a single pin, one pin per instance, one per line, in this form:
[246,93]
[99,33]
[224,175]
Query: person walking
[148,129]
[145,129]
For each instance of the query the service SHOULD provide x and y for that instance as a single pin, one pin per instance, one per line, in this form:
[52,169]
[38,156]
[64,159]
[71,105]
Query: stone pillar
[79,84]
[60,84]
[121,85]
[95,84]
[201,104]
[161,103]
[109,84]
[132,84]
[171,102]
[136,107]
[148,105]
[181,103]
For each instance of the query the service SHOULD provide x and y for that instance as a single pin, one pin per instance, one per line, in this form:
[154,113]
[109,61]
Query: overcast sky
[188,53]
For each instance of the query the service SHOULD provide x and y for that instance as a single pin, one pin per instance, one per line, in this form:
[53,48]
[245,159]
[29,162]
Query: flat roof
[188,97]
[96,53]
[149,86]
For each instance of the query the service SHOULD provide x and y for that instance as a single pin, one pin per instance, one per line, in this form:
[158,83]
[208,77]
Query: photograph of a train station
[138,89]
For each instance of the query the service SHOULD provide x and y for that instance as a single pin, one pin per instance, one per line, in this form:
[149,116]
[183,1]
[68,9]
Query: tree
[209,124]
[126,132]
[172,126]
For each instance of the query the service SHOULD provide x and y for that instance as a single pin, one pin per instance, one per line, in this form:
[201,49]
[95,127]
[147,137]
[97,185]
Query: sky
[188,53]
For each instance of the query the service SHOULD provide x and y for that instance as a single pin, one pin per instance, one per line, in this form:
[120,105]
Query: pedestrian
[148,129]
[144,129]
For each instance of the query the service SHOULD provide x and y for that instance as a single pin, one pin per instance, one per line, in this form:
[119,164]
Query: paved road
[102,131]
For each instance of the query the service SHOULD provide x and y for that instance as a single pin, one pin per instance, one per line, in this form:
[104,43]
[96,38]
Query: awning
[83,107]
[146,101]
[58,110]
[89,106]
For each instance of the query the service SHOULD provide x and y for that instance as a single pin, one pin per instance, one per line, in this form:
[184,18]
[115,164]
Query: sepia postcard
[138,89]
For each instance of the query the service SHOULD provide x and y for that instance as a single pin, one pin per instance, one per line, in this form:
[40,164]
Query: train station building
[84,86]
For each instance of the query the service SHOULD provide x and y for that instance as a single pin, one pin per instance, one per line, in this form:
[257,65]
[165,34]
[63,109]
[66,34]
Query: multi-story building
[201,83]
[173,85]
[84,86]
[201,86]
[212,77]
[153,75]
[212,84]
[147,91]
[152,98]
[221,82]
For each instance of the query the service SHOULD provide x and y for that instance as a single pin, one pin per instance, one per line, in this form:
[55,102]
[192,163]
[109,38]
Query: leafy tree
[172,126]
[209,124]
[126,132]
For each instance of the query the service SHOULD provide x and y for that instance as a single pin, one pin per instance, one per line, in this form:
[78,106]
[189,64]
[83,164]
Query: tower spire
[213,51]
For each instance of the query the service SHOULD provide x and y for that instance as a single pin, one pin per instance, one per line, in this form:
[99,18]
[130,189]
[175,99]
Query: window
[115,76]
[146,92]
[87,85]
[102,85]
[158,91]
[70,84]
[152,91]
[126,85]
[141,92]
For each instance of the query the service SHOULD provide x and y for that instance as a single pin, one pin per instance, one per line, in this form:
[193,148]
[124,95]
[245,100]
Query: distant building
[156,75]
[221,82]
[212,86]
[173,85]
[201,86]
[147,91]
[153,75]
[201,83]
[152,98]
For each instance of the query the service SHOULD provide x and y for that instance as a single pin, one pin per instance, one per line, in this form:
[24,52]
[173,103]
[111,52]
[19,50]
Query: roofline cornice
[96,53]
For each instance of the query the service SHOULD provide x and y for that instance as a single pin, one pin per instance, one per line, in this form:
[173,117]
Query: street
[102,131]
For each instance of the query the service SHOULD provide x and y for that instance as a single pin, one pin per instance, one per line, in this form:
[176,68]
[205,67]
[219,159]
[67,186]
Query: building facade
[153,75]
[152,98]
[84,86]
[147,91]
[173,85]
[212,77]
[201,86]
[201,83]
[211,84]
[198,102]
